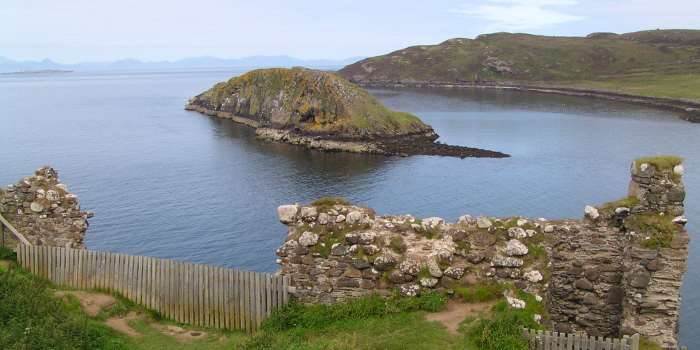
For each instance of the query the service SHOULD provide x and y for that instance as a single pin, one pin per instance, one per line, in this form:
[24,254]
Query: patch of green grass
[659,228]
[325,203]
[370,322]
[627,202]
[652,84]
[153,339]
[31,318]
[659,162]
[504,330]
[481,292]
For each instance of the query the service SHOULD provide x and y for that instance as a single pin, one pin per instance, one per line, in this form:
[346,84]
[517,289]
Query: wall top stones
[44,210]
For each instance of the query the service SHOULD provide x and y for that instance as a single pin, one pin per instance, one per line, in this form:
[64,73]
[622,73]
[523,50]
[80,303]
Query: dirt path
[92,303]
[121,324]
[181,334]
[456,312]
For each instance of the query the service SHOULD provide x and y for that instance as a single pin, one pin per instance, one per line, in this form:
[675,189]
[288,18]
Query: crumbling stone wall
[44,211]
[595,274]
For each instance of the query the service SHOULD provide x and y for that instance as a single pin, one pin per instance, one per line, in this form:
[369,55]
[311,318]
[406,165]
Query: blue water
[170,183]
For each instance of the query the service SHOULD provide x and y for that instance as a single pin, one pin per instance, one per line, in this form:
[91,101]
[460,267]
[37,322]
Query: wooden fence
[545,340]
[200,295]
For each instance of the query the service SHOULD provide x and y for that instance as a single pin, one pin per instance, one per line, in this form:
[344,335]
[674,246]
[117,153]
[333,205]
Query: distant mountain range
[10,66]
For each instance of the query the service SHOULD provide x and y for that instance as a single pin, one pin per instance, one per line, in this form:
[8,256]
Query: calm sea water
[169,183]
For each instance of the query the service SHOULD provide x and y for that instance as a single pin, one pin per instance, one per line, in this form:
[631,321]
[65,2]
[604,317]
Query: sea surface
[169,183]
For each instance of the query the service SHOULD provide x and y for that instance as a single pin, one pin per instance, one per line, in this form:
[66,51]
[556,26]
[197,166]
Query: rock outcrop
[321,110]
[42,209]
[617,271]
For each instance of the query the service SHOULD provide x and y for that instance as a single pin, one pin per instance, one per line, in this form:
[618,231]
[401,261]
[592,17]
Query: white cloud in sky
[520,14]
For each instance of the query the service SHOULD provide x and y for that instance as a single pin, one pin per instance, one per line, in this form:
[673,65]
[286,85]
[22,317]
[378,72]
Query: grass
[325,203]
[481,292]
[370,322]
[659,162]
[627,202]
[659,229]
[679,86]
[31,318]
[646,344]
[503,331]
[397,244]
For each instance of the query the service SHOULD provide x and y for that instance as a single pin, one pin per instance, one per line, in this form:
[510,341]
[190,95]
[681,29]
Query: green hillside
[522,58]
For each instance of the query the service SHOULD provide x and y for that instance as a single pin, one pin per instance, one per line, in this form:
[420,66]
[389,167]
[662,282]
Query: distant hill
[533,58]
[9,66]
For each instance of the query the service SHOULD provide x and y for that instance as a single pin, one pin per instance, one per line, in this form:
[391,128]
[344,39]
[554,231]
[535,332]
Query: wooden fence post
[635,341]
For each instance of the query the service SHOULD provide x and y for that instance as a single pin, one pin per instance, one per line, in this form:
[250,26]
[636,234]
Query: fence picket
[198,294]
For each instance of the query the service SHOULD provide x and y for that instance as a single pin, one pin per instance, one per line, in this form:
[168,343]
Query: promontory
[321,110]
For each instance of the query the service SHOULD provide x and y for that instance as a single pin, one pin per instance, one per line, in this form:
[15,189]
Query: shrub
[397,244]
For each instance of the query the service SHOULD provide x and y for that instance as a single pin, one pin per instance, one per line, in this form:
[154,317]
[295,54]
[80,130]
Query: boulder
[323,219]
[466,220]
[353,217]
[384,262]
[549,228]
[428,282]
[309,213]
[288,213]
[503,261]
[434,268]
[533,276]
[483,222]
[340,218]
[454,272]
[432,222]
[679,170]
[409,290]
[517,232]
[515,248]
[409,267]
[591,212]
[308,239]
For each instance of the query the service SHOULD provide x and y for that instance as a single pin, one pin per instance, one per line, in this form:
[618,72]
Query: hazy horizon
[87,31]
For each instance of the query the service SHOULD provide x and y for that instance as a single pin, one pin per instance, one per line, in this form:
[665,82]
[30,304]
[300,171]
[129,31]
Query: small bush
[481,292]
[659,228]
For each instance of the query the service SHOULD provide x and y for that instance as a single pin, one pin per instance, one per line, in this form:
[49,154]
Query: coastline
[689,110]
[402,145]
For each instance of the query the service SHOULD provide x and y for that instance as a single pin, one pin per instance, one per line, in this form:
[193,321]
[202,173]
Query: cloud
[510,15]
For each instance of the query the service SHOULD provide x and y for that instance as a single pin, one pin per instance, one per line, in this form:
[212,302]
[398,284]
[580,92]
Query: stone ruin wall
[593,274]
[42,209]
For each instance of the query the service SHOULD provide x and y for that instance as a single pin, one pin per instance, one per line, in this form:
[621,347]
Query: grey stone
[287,213]
[353,217]
[515,248]
[308,239]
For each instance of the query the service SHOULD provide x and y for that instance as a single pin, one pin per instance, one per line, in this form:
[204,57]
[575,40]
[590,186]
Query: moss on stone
[666,162]
[655,231]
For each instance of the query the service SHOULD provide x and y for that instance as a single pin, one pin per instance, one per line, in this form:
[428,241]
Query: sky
[71,31]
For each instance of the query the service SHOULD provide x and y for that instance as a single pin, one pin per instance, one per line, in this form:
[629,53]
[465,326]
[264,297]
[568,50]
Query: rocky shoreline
[403,145]
[689,110]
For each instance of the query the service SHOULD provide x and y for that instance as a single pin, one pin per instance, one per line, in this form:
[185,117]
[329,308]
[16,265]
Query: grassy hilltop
[315,102]
[662,63]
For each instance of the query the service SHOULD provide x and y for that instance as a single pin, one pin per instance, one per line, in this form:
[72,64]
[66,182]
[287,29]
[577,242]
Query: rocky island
[321,110]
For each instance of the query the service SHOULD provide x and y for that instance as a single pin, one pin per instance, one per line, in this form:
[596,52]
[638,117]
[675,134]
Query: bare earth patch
[92,303]
[456,312]
[181,334]
[121,324]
